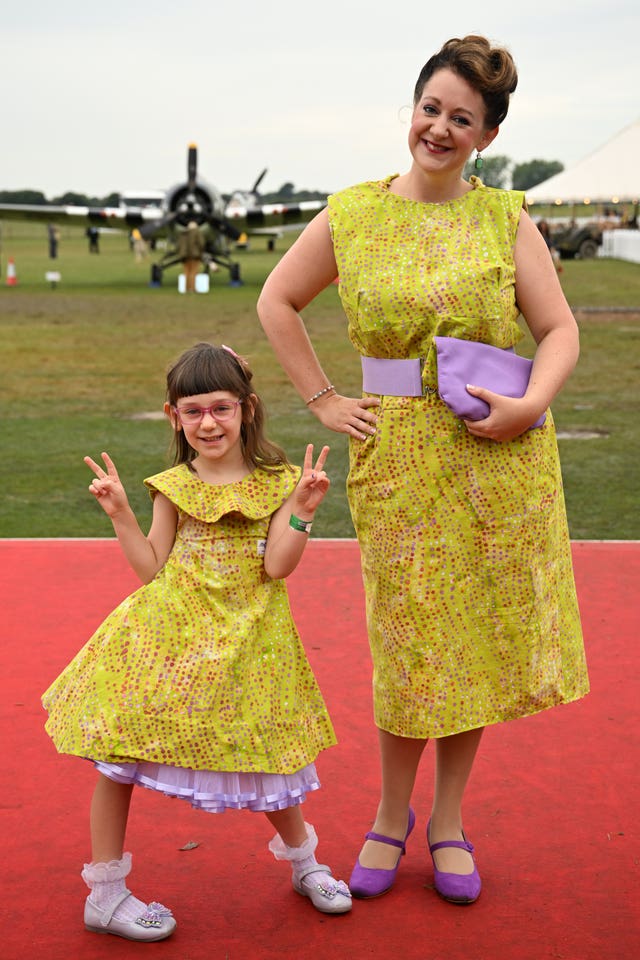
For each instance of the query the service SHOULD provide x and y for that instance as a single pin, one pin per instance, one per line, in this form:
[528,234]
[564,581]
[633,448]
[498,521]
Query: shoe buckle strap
[459,844]
[109,911]
[380,837]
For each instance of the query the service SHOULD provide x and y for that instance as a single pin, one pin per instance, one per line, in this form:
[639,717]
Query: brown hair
[489,70]
[205,368]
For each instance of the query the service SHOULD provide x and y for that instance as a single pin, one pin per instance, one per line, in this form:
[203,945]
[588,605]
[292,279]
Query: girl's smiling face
[447,124]
[215,433]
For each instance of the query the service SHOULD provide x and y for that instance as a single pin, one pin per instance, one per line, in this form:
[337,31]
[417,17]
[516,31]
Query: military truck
[581,241]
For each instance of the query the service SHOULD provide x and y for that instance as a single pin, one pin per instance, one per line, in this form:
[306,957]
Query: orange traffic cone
[12,278]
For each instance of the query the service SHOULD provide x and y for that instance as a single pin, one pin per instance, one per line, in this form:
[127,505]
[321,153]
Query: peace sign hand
[313,485]
[106,487]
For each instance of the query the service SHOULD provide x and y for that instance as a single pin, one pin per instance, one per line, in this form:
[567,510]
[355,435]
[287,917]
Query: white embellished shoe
[154,923]
[106,881]
[327,894]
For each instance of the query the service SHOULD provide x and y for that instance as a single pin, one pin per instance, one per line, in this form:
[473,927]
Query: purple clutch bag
[465,361]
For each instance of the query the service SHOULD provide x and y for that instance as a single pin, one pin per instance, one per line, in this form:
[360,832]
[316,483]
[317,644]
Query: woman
[471,605]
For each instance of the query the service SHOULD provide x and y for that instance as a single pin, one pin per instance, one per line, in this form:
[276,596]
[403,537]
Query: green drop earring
[478,161]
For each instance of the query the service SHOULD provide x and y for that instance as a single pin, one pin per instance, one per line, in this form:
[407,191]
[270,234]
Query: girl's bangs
[206,375]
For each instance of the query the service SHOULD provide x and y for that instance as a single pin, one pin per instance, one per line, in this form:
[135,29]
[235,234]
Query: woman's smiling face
[447,124]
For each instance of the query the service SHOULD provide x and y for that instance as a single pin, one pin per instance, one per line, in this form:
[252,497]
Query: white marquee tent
[610,174]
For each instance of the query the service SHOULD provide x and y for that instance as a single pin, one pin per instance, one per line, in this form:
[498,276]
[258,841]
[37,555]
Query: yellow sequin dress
[471,604]
[202,669]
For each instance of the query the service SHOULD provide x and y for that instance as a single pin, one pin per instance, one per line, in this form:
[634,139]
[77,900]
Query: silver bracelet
[319,394]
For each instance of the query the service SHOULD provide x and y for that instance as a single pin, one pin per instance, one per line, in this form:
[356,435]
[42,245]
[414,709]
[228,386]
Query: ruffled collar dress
[198,683]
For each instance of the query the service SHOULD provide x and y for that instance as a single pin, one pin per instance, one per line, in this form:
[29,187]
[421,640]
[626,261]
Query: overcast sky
[105,96]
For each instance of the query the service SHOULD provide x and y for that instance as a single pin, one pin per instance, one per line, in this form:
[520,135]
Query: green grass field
[84,365]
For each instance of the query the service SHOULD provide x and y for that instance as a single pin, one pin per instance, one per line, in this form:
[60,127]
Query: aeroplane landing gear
[235,280]
[224,261]
[156,275]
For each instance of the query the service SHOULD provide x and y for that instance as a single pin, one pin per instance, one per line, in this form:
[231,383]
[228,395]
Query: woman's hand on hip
[354,416]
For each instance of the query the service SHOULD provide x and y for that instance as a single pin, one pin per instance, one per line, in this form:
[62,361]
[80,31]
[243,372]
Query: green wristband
[304,526]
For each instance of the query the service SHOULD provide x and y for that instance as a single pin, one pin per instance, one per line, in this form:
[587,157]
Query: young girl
[197,685]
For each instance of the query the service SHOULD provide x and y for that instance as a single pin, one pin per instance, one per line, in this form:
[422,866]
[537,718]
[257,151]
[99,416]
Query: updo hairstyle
[489,70]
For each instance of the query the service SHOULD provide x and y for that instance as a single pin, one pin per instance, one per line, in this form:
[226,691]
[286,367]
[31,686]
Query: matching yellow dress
[198,683]
[471,604]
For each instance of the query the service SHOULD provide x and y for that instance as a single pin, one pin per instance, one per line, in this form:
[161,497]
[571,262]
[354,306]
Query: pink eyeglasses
[221,410]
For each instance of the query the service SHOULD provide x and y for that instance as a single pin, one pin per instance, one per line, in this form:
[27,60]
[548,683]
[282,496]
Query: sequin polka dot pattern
[203,667]
[471,603]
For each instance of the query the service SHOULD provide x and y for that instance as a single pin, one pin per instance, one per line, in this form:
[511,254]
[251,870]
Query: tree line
[498,171]
[71,198]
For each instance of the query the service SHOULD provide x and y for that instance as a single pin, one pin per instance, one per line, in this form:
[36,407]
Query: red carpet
[552,807]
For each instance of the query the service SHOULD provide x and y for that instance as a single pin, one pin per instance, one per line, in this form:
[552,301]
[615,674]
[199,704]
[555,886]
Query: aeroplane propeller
[193,201]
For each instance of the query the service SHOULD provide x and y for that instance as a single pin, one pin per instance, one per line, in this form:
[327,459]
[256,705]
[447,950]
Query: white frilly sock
[106,882]
[302,858]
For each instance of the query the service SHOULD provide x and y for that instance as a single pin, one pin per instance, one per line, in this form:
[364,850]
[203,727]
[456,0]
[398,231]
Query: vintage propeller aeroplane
[194,200]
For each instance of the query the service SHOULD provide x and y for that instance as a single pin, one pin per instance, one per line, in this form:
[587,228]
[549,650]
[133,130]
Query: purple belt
[392,378]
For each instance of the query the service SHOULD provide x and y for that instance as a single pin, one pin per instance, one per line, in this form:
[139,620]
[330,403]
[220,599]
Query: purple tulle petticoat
[216,792]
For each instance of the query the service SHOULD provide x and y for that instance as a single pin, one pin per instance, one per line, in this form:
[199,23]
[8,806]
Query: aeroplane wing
[122,218]
[191,200]
[268,219]
[271,216]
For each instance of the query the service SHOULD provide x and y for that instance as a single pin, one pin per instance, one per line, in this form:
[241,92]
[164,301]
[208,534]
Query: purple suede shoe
[368,882]
[455,887]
